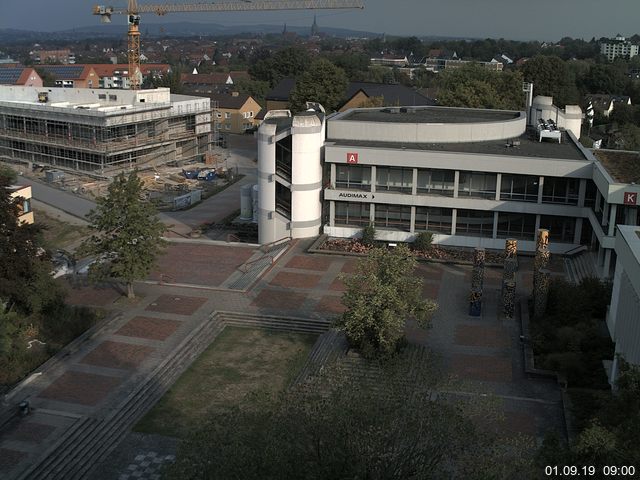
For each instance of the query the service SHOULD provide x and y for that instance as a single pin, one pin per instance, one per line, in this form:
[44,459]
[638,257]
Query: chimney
[235,94]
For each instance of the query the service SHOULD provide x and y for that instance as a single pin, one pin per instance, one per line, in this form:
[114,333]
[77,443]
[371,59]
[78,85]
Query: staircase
[250,271]
[329,346]
[579,267]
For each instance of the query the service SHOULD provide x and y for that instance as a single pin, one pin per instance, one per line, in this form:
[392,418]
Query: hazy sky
[512,19]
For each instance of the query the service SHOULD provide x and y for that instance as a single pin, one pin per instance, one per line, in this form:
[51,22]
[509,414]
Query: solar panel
[63,71]
[9,76]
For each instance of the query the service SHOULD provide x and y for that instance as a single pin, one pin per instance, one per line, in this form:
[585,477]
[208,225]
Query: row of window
[227,115]
[523,188]
[468,222]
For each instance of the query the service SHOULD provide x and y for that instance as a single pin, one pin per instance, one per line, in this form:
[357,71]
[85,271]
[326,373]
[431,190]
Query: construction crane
[134,10]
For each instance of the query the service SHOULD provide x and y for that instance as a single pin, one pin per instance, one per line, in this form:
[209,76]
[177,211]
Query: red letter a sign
[352,158]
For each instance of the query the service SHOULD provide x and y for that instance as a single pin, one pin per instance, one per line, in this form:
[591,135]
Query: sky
[544,20]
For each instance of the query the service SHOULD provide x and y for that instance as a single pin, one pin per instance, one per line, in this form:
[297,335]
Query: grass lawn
[59,234]
[240,361]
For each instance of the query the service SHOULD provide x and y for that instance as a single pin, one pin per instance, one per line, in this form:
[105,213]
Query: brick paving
[337,285]
[482,367]
[350,266]
[482,336]
[10,458]
[199,264]
[117,355]
[295,280]
[279,299]
[149,327]
[330,304]
[91,295]
[176,304]
[82,388]
[431,290]
[306,262]
[31,432]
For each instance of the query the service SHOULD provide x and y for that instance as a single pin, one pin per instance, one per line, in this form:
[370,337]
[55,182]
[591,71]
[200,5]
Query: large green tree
[379,298]
[552,77]
[322,82]
[288,62]
[474,86]
[375,423]
[127,234]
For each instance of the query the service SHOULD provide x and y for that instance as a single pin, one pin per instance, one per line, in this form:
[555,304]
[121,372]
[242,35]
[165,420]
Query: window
[520,188]
[590,194]
[102,96]
[433,219]
[218,115]
[397,217]
[353,177]
[227,115]
[475,222]
[394,179]
[436,182]
[516,225]
[561,229]
[352,214]
[560,190]
[477,184]
[113,98]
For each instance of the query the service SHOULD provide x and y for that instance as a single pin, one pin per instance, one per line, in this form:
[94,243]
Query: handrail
[231,237]
[266,248]
[573,251]
[244,268]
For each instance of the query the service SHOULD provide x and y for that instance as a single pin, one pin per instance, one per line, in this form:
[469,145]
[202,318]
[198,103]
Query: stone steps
[580,267]
[273,322]
[75,455]
[329,346]
[242,280]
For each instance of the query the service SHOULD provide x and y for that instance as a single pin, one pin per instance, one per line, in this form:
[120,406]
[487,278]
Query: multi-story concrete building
[473,177]
[91,130]
[618,47]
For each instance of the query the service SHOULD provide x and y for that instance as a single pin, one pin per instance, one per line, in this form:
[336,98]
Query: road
[65,201]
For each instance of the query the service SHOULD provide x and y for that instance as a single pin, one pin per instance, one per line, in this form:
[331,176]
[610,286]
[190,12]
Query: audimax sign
[363,196]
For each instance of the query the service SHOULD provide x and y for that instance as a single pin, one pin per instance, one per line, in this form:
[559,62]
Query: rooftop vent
[394,110]
[408,109]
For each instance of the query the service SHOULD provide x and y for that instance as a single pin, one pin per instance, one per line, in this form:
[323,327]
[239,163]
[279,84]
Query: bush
[423,242]
[368,235]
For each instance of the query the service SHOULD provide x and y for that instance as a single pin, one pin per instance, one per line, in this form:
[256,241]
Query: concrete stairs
[329,347]
[250,271]
[579,267]
[90,439]
[315,326]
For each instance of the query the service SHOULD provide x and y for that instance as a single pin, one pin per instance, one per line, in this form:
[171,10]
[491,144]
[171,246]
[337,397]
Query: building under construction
[98,131]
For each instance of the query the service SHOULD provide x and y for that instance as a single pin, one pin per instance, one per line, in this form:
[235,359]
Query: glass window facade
[477,184]
[396,217]
[560,190]
[394,179]
[352,214]
[433,219]
[474,222]
[436,182]
[519,188]
[561,229]
[516,225]
[353,177]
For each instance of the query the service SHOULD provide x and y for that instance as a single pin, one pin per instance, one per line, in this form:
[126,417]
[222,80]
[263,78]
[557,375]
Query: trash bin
[23,408]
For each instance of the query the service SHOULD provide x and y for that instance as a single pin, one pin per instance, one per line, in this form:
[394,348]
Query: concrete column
[607,263]
[374,178]
[495,225]
[372,212]
[612,219]
[537,223]
[332,177]
[540,189]
[454,219]
[412,229]
[577,231]
[332,213]
[414,183]
[612,313]
[631,216]
[605,214]
[598,196]
[582,192]
[456,183]
[498,188]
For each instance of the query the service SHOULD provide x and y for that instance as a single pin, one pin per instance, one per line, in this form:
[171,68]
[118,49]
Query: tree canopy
[551,77]
[127,234]
[379,298]
[288,62]
[322,82]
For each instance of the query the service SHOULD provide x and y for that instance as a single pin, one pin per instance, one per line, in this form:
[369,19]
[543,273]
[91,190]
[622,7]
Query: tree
[258,89]
[379,298]
[474,86]
[322,82]
[382,424]
[288,62]
[551,77]
[127,236]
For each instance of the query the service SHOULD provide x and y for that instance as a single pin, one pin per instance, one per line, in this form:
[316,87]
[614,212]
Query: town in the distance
[302,251]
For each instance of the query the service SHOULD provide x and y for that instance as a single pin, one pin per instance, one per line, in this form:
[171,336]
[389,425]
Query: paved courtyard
[95,376]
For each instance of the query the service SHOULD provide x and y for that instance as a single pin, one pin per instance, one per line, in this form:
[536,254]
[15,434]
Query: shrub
[423,242]
[368,235]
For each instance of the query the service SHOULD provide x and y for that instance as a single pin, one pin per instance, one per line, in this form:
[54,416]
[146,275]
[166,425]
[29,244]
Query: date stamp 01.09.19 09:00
[586,471]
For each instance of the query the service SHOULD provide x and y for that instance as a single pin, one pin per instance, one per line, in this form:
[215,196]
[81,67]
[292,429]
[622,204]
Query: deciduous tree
[127,234]
[322,82]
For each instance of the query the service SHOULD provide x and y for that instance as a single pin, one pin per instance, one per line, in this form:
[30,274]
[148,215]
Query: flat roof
[623,166]
[427,114]
[548,148]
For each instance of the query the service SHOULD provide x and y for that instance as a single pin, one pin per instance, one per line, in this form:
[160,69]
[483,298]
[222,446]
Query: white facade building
[473,177]
[618,47]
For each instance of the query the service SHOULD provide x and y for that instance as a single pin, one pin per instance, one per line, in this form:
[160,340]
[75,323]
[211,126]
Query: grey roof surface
[429,115]
[282,90]
[9,76]
[63,71]
[393,94]
[226,100]
[527,148]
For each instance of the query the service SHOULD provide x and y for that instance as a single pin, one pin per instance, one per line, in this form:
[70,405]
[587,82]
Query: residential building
[72,76]
[20,76]
[117,75]
[623,319]
[93,130]
[235,112]
[278,98]
[363,93]
[63,56]
[618,47]
[211,82]
[604,104]
[25,213]
[473,177]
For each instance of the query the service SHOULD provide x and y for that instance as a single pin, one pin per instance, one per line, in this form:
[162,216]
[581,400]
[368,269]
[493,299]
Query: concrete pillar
[540,189]
[607,263]
[413,220]
[332,213]
[612,313]
[374,178]
[577,231]
[631,215]
[456,183]
[414,183]
[332,175]
[498,188]
[537,223]
[612,219]
[454,219]
[372,213]
[605,215]
[495,225]
[597,205]
[582,192]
